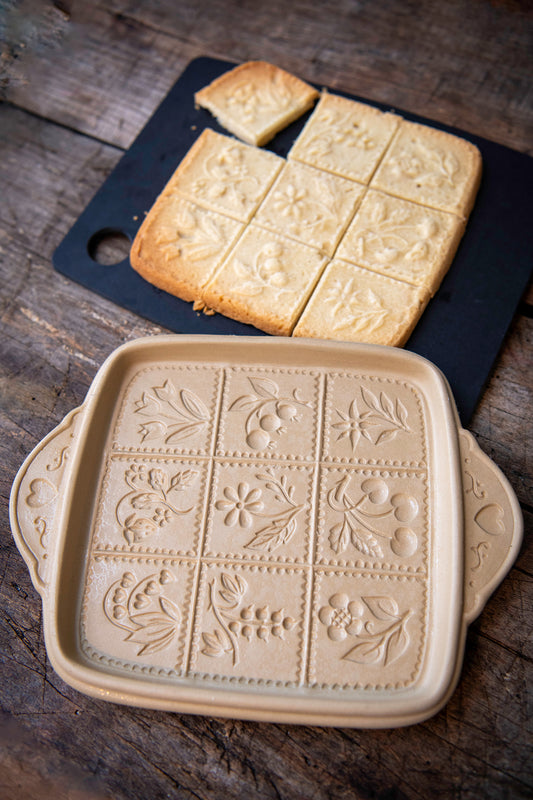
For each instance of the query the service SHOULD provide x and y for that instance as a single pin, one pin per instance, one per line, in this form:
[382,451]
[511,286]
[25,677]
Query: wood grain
[79,80]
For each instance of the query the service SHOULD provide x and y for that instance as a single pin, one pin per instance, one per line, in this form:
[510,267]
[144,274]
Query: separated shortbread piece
[256,100]
[225,175]
[180,244]
[431,167]
[345,137]
[402,240]
[356,305]
[310,205]
[265,281]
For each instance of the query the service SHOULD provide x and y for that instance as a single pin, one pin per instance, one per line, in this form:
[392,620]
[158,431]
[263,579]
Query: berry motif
[236,622]
[268,413]
[150,619]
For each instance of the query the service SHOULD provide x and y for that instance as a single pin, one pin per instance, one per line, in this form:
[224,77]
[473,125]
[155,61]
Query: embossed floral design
[140,608]
[245,505]
[342,617]
[237,622]
[337,129]
[379,421]
[425,166]
[269,412]
[358,309]
[172,414]
[266,270]
[196,236]
[240,504]
[375,621]
[360,518]
[250,100]
[291,202]
[393,234]
[150,492]
[226,176]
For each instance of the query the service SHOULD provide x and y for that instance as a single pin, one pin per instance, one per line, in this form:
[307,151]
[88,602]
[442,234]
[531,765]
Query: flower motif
[240,505]
[290,202]
[342,617]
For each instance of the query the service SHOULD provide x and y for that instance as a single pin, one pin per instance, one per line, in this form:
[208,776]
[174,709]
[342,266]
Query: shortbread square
[225,175]
[256,100]
[431,167]
[356,305]
[180,244]
[402,240]
[310,205]
[345,137]
[265,281]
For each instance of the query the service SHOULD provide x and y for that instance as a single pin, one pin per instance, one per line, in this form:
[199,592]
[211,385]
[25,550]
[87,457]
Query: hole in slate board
[109,246]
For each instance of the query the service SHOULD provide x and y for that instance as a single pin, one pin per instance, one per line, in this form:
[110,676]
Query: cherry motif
[404,542]
[376,490]
[405,507]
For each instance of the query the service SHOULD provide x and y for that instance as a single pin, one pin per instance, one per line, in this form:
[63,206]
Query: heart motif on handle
[490,519]
[41,493]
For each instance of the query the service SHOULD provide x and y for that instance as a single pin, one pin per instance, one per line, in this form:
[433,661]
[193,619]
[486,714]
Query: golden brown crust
[300,247]
[256,100]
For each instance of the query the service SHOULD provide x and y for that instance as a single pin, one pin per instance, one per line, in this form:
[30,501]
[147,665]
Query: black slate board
[461,330]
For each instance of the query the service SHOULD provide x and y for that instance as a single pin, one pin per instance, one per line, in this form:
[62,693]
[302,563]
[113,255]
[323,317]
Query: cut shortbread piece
[345,137]
[402,240]
[356,305]
[310,205]
[256,100]
[225,175]
[180,244]
[265,281]
[431,167]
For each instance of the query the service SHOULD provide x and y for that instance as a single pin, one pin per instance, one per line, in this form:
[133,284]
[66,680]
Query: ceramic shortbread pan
[271,529]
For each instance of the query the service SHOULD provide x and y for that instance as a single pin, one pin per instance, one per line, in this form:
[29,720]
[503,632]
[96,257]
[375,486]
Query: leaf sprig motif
[383,643]
[237,622]
[380,420]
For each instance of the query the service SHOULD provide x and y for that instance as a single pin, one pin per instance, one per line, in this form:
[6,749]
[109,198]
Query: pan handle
[493,525]
[34,499]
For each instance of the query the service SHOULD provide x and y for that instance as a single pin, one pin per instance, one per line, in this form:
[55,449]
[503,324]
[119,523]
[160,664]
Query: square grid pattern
[262,526]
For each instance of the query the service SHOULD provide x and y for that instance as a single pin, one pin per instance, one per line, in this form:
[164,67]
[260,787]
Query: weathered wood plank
[101,69]
[106,68]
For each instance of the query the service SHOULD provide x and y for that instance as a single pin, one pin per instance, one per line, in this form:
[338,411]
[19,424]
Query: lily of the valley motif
[141,609]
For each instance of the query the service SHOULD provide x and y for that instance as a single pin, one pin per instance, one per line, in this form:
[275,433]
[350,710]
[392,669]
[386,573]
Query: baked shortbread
[431,167]
[402,240]
[265,281]
[256,100]
[225,175]
[356,305]
[310,205]
[345,137]
[180,244]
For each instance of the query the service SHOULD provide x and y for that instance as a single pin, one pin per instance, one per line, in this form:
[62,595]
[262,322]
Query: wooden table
[79,81]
